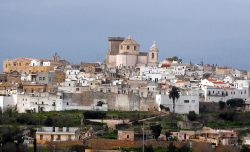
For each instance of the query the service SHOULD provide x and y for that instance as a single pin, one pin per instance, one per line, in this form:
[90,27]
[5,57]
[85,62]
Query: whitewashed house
[183,105]
[39,102]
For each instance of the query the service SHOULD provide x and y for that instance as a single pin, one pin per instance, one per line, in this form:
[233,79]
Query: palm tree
[174,94]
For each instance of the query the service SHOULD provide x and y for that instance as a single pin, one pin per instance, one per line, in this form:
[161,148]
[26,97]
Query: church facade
[125,53]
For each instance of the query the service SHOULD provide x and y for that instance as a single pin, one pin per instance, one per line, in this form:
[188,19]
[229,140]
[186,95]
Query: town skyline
[190,30]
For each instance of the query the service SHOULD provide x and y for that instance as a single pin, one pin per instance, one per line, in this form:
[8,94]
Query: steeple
[153,55]
[154,47]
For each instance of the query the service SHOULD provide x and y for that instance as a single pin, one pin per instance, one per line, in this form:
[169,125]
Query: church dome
[129,41]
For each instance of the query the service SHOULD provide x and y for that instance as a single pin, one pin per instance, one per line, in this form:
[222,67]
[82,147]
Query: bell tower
[153,55]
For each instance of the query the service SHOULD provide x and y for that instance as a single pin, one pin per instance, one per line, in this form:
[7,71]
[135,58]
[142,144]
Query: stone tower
[56,57]
[153,55]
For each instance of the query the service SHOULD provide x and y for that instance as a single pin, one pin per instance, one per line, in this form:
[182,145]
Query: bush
[234,103]
[229,116]
[94,115]
[27,119]
[221,105]
[192,116]
[156,130]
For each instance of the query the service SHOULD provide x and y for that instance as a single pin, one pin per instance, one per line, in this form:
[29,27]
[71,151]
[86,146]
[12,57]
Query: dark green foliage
[11,134]
[174,58]
[111,134]
[49,121]
[171,147]
[149,148]
[229,116]
[245,149]
[94,115]
[234,103]
[184,148]
[156,130]
[222,105]
[192,116]
[27,119]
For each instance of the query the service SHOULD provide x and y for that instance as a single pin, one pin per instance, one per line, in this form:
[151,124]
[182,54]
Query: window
[193,101]
[60,129]
[186,101]
[67,104]
[51,137]
[77,89]
[69,137]
[134,47]
[58,137]
[153,55]
[41,137]
[67,129]
[43,78]
[127,136]
[40,78]
[128,47]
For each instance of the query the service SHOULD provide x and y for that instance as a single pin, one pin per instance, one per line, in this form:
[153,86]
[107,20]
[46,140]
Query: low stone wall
[111,144]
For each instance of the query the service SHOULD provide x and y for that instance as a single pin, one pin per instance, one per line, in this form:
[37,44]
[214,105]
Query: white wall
[180,107]
[8,101]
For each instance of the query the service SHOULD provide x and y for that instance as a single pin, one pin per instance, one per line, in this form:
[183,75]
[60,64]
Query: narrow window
[127,47]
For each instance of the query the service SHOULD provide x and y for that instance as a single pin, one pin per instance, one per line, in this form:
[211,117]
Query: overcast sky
[217,31]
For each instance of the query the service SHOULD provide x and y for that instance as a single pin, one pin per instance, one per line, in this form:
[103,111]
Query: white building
[39,102]
[35,62]
[183,105]
[8,101]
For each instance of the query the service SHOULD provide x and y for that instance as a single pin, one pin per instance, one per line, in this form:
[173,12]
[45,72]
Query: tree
[222,105]
[171,147]
[174,94]
[156,130]
[149,148]
[236,102]
[245,149]
[192,116]
[229,116]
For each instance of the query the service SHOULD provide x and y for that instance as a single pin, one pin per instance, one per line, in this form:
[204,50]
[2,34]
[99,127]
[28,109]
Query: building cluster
[127,80]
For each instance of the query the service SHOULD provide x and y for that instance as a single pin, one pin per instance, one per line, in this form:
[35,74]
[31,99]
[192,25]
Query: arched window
[153,55]
[127,47]
[134,47]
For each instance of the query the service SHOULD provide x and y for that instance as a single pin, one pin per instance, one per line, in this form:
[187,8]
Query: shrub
[192,116]
[221,105]
[156,130]
[236,102]
[94,115]
[229,116]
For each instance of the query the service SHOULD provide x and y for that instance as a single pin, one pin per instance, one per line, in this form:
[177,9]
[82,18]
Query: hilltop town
[130,102]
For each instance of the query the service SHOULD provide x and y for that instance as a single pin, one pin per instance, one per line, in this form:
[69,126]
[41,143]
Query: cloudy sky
[217,31]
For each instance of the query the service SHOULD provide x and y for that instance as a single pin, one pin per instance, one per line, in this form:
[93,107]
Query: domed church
[126,53]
